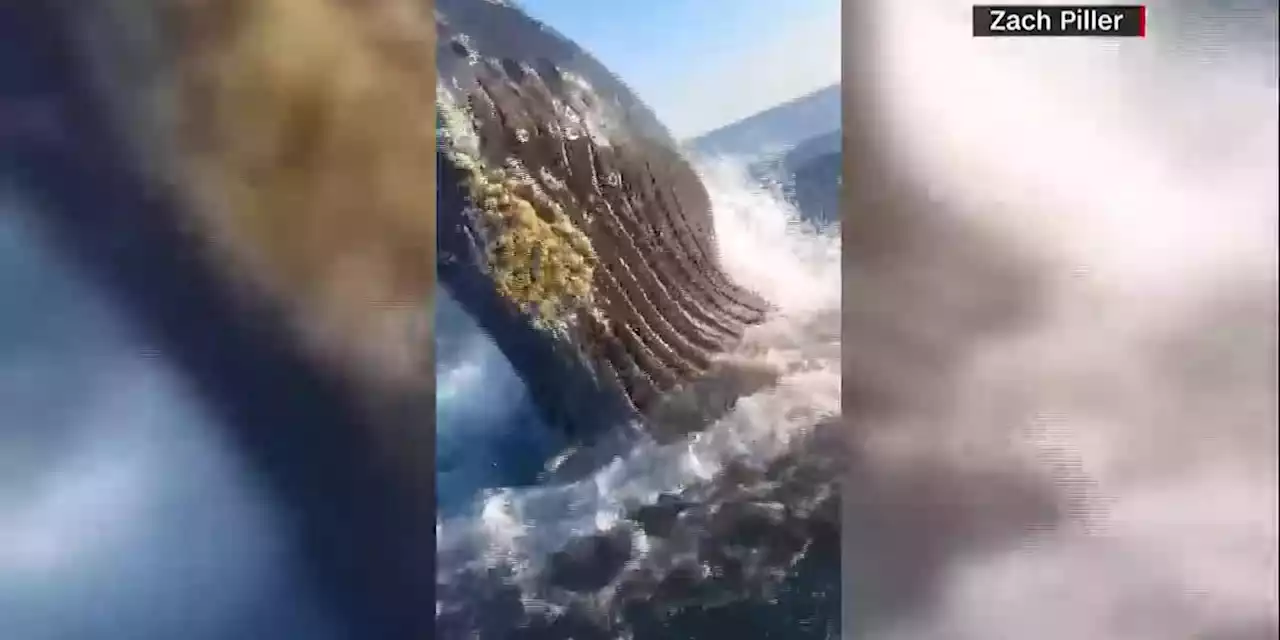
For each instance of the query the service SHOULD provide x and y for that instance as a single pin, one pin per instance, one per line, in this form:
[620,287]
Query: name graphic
[992,21]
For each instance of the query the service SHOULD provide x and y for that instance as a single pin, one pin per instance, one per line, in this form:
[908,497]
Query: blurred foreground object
[252,182]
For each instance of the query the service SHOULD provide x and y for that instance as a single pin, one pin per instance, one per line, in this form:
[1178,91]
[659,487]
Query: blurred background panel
[175,460]
[126,510]
[1060,310]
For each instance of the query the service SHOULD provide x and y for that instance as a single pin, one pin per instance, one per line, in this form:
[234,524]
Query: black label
[993,21]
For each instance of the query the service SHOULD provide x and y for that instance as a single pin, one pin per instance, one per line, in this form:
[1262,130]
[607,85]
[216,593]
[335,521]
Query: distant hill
[776,130]
[795,145]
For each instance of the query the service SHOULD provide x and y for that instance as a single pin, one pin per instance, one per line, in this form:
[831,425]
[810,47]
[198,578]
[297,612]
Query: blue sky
[701,64]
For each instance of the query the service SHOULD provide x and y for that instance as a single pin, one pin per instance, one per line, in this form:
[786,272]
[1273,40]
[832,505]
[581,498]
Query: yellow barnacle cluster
[537,257]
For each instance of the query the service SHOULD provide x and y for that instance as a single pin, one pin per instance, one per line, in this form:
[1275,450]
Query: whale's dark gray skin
[569,225]
[364,527]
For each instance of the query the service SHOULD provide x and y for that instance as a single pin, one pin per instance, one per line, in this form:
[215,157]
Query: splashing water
[762,243]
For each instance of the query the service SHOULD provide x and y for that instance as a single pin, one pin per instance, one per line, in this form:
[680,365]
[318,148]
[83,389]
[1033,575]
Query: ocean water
[491,434]
[492,447]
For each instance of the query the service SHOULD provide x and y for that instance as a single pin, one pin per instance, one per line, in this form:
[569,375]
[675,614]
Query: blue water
[489,434]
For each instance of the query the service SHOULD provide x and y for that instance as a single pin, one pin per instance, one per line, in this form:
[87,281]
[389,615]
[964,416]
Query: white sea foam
[762,243]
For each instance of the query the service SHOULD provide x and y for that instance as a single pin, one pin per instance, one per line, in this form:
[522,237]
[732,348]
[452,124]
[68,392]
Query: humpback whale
[571,227]
[575,232]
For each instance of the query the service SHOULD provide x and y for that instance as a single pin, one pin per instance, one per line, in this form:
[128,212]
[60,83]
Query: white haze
[124,512]
[1133,185]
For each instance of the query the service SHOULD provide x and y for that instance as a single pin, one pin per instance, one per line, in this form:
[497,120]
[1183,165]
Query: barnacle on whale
[537,257]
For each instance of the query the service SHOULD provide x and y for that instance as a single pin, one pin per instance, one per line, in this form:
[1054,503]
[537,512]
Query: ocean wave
[519,533]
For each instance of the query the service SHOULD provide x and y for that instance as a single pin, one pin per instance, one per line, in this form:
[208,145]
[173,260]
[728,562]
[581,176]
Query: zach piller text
[1063,21]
